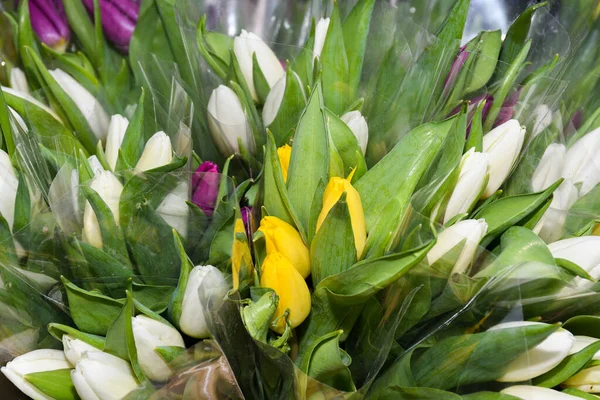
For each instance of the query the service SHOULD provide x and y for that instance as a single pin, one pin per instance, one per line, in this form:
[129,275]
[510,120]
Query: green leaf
[488,396]
[5,127]
[332,249]
[475,138]
[260,82]
[58,330]
[156,298]
[290,109]
[586,209]
[584,325]
[415,393]
[579,393]
[133,142]
[169,353]
[82,26]
[26,39]
[574,269]
[568,367]
[309,161]
[56,384]
[475,358]
[486,54]
[258,314]
[347,146]
[303,63]
[176,304]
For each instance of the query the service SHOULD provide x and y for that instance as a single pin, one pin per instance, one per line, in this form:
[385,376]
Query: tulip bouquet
[399,212]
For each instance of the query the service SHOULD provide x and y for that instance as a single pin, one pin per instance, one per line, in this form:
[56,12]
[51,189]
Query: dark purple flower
[49,22]
[118,20]
[205,187]
[247,218]
[456,67]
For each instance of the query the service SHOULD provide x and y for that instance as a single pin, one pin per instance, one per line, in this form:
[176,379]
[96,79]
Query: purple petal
[247,218]
[577,119]
[504,115]
[49,21]
[118,20]
[205,187]
[456,67]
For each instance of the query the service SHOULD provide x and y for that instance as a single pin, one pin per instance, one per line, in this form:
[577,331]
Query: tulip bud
[526,392]
[192,321]
[205,187]
[148,335]
[116,133]
[358,125]
[582,165]
[279,274]
[550,168]
[158,152]
[542,119]
[469,231]
[503,145]
[284,153]
[18,80]
[583,251]
[102,376]
[283,238]
[581,342]
[35,361]
[586,380]
[118,20]
[320,36]
[472,179]
[273,101]
[539,359]
[245,46]
[91,109]
[174,209]
[8,189]
[49,22]
[551,226]
[334,190]
[228,122]
[74,348]
[109,189]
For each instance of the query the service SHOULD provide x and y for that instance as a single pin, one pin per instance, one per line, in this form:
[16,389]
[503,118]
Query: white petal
[273,101]
[537,393]
[116,133]
[550,167]
[74,348]
[107,376]
[174,209]
[358,125]
[109,189]
[157,152]
[227,121]
[320,36]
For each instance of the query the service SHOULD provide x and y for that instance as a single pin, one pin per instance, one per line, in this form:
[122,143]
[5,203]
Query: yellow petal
[285,239]
[279,274]
[334,190]
[284,153]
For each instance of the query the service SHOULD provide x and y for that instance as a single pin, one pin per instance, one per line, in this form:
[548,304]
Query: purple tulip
[455,69]
[205,187]
[118,20]
[49,22]
[247,218]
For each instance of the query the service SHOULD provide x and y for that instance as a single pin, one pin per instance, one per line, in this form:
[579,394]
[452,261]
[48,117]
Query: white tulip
[583,251]
[211,282]
[245,46]
[228,122]
[539,359]
[542,118]
[150,334]
[8,189]
[174,209]
[470,232]
[582,163]
[550,168]
[157,152]
[471,180]
[91,109]
[503,145]
[18,80]
[273,101]
[581,342]
[586,380]
[551,226]
[109,189]
[320,36]
[74,348]
[358,125]
[526,392]
[102,376]
[32,362]
[116,133]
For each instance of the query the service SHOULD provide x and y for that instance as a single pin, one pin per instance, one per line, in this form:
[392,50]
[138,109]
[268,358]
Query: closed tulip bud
[102,376]
[581,342]
[192,321]
[90,108]
[469,231]
[582,164]
[503,145]
[583,251]
[283,238]
[551,226]
[284,153]
[35,361]
[74,348]
[174,209]
[472,179]
[320,36]
[539,359]
[279,274]
[550,168]
[148,335]
[158,152]
[526,392]
[18,80]
[8,189]
[205,187]
[334,190]
[228,122]
[109,189]
[358,125]
[118,20]
[586,380]
[116,133]
[49,22]
[245,46]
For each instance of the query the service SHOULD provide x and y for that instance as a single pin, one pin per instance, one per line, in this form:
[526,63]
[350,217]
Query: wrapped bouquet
[299,200]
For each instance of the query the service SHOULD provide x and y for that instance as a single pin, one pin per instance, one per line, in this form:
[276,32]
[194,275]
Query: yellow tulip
[284,153]
[279,274]
[283,238]
[241,260]
[334,190]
